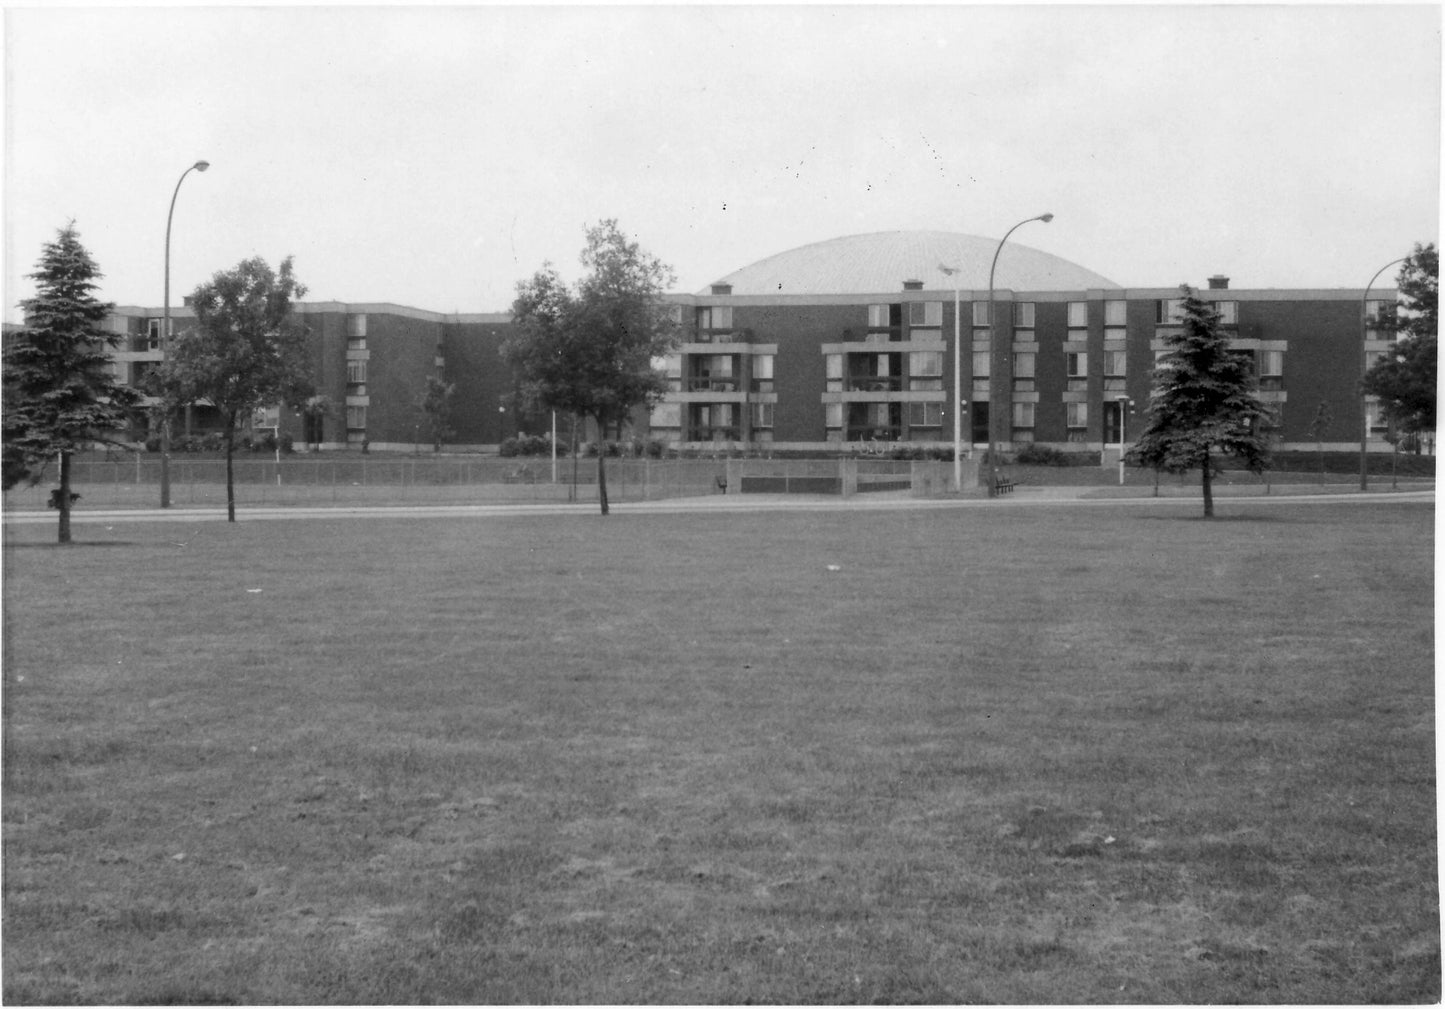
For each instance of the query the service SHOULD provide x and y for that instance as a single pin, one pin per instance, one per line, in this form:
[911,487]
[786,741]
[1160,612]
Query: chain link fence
[135,482]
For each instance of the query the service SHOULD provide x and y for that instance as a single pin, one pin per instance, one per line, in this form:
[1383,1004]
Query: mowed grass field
[978,755]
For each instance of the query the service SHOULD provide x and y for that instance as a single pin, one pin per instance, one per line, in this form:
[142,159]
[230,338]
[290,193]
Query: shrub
[1041,455]
[288,443]
[153,443]
[530,444]
[212,441]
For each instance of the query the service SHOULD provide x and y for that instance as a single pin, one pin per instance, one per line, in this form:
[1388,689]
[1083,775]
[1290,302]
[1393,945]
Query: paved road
[714,504]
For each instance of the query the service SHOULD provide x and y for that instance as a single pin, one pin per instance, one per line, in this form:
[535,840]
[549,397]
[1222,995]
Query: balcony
[705,383]
[875,383]
[873,433]
[727,433]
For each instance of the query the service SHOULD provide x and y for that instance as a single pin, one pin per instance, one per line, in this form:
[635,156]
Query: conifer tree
[60,390]
[1204,403]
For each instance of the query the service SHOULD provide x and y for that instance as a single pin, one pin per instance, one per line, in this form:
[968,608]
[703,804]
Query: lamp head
[1046,218]
[201,166]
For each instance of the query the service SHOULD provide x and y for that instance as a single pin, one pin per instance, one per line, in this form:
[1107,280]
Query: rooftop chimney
[913,285]
[722,289]
[1219,282]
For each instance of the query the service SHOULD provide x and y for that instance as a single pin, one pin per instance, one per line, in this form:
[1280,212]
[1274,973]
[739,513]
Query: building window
[1023,415]
[1228,312]
[715,317]
[1076,368]
[763,373]
[925,363]
[355,418]
[886,316]
[834,369]
[833,415]
[1115,363]
[1024,364]
[982,364]
[1375,311]
[671,367]
[355,372]
[1271,370]
[925,414]
[667,415]
[1024,314]
[1171,312]
[925,313]
[1116,313]
[762,415]
[153,334]
[356,325]
[1076,419]
[1078,314]
[356,343]
[980,313]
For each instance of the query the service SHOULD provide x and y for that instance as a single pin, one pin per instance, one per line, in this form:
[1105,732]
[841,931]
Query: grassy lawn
[1023,755]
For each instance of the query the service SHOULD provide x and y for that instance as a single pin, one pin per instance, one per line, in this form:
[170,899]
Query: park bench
[1002,484]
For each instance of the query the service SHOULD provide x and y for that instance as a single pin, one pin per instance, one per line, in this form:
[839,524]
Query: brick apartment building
[849,340]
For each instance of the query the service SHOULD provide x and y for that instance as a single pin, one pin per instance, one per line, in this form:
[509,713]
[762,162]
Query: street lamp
[199,166]
[995,370]
[953,272]
[1124,403]
[1364,357]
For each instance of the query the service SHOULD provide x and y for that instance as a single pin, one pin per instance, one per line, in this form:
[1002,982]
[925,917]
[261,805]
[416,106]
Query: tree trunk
[602,476]
[64,503]
[1208,488]
[230,475]
[572,492]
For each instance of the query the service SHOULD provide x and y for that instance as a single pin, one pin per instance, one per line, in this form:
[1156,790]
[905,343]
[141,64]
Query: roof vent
[913,285]
[722,289]
[1219,282]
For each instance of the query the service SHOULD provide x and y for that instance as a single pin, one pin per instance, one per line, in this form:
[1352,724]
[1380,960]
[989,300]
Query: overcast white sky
[434,156]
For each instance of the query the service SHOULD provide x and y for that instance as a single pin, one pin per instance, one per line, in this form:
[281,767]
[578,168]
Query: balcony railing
[730,433]
[873,433]
[709,384]
[875,383]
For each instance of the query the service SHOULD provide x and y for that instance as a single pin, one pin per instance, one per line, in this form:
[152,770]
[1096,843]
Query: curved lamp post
[996,399]
[199,166]
[1364,367]
[953,272]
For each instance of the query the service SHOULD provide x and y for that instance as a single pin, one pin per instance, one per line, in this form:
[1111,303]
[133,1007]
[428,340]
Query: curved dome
[881,262]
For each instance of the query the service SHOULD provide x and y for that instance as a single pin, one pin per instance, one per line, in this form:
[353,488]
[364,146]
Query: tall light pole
[953,272]
[1364,367]
[995,398]
[199,166]
[1124,403]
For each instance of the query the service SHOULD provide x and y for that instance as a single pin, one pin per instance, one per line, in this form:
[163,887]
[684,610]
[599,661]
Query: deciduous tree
[60,390]
[1204,403]
[246,351]
[589,348]
[1405,380]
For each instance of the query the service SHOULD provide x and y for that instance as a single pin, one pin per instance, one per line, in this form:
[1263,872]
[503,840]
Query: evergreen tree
[60,390]
[589,350]
[245,352]
[436,403]
[1203,403]
[1405,380]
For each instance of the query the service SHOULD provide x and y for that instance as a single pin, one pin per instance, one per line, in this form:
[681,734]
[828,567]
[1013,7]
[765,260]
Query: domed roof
[879,263]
